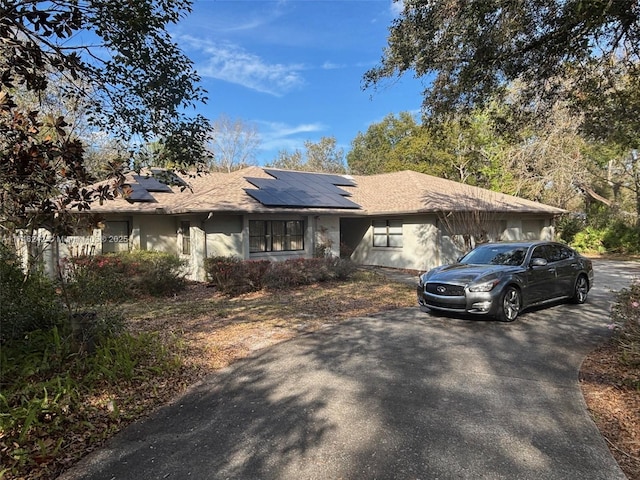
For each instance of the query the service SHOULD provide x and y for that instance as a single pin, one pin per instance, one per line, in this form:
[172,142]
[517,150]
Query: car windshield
[495,255]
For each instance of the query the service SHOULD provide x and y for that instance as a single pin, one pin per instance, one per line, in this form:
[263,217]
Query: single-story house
[402,219]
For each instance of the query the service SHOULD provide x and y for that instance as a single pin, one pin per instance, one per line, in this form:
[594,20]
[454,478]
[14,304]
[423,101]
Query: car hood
[463,274]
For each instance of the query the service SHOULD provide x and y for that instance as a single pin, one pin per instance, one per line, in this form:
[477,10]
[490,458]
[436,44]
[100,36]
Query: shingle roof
[389,193]
[409,191]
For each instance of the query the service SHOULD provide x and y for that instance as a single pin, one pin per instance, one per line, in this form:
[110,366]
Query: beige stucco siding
[157,233]
[425,245]
[327,235]
[418,250]
[224,236]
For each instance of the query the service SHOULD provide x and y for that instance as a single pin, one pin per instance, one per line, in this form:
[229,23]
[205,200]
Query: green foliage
[467,149]
[131,81]
[27,303]
[46,392]
[372,151]
[477,48]
[115,277]
[625,315]
[617,238]
[234,276]
[568,226]
[132,51]
[589,240]
[622,238]
[155,273]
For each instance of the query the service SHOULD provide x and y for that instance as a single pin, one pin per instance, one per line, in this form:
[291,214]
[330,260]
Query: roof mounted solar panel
[301,189]
[151,184]
[138,193]
[330,178]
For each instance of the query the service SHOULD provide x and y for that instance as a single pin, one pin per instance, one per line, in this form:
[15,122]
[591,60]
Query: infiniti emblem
[441,289]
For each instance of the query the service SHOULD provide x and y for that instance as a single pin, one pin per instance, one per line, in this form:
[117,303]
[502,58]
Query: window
[387,233]
[276,235]
[185,229]
[115,237]
[552,253]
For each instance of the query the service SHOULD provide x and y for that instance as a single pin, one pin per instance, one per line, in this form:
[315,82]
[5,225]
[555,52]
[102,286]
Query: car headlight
[484,286]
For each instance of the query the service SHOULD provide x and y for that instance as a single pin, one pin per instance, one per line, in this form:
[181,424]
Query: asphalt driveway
[400,395]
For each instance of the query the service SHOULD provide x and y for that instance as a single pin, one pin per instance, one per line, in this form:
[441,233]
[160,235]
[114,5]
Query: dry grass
[216,330]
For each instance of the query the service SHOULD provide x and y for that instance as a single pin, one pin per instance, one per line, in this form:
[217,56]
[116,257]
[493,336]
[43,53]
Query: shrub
[569,225]
[155,273]
[234,276]
[296,272]
[28,302]
[589,240]
[114,277]
[342,268]
[621,238]
[45,386]
[615,238]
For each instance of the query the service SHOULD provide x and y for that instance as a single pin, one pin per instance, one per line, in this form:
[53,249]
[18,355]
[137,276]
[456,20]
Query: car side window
[555,255]
[565,253]
[542,251]
[558,253]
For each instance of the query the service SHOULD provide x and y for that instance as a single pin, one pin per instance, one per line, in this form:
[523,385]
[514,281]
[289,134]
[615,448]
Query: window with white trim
[276,235]
[387,233]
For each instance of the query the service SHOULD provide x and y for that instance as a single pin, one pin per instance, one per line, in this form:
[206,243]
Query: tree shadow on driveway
[398,395]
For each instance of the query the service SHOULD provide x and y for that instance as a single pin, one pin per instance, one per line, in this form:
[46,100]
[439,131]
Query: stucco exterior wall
[224,236]
[157,233]
[422,246]
[327,236]
[426,245]
[418,251]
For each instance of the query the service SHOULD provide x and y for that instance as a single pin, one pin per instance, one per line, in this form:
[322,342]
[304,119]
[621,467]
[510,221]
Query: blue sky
[293,68]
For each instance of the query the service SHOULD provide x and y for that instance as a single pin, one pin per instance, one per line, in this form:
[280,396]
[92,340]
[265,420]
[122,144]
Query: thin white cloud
[231,63]
[276,136]
[331,66]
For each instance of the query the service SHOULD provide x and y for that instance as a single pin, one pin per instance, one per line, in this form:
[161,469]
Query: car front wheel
[581,290]
[510,305]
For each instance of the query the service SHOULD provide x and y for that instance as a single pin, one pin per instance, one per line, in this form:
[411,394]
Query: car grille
[445,290]
[432,303]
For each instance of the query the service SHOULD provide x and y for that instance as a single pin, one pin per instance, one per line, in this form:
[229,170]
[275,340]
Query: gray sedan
[502,279]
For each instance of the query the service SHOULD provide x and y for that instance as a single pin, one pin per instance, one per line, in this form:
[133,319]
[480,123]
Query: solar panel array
[151,184]
[138,193]
[301,189]
[142,185]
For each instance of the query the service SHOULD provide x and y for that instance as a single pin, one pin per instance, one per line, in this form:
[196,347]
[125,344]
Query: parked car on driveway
[502,279]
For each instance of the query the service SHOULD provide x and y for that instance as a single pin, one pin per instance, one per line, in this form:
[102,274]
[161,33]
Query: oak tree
[470,51]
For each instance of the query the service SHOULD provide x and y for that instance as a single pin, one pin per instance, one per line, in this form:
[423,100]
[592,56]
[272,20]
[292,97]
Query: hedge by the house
[115,277]
[234,276]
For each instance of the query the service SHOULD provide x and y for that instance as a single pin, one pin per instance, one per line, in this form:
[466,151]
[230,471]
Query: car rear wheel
[510,305]
[580,290]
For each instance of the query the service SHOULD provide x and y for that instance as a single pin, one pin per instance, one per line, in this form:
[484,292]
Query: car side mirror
[538,262]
